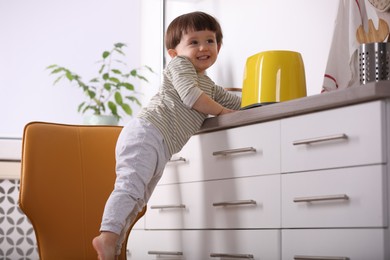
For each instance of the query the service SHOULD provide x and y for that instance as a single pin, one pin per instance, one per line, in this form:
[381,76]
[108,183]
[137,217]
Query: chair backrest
[68,172]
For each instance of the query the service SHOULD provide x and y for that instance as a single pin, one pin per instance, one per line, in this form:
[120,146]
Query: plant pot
[100,120]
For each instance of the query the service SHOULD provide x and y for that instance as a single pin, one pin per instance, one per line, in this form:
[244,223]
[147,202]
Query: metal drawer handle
[303,257]
[242,256]
[233,151]
[179,206]
[321,198]
[164,253]
[180,159]
[320,139]
[234,203]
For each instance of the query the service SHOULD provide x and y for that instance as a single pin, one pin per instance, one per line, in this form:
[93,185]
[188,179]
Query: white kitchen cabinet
[335,193]
[313,185]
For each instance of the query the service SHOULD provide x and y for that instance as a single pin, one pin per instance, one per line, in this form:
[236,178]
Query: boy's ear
[172,53]
[219,46]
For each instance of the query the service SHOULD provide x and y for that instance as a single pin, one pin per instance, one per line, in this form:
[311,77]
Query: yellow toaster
[273,76]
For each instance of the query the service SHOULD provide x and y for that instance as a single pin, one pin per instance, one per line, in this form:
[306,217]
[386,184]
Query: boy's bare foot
[104,245]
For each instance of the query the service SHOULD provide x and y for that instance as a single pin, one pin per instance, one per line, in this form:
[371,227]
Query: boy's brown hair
[195,21]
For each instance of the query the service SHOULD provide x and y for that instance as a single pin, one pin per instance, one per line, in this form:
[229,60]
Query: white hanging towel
[342,67]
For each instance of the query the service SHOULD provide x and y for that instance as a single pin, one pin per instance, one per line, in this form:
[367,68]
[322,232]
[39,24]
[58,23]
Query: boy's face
[199,47]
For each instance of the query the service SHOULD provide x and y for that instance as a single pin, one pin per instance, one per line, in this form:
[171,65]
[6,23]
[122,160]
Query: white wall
[73,33]
[252,26]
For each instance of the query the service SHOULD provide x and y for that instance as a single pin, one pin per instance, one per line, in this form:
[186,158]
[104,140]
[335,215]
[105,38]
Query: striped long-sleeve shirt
[170,110]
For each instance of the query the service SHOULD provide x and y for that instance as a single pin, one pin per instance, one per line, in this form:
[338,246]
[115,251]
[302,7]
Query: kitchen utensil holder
[374,62]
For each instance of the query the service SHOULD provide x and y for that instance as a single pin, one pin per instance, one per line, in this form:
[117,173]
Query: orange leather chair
[68,172]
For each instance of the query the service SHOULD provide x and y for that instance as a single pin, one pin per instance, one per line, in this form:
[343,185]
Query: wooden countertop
[338,98]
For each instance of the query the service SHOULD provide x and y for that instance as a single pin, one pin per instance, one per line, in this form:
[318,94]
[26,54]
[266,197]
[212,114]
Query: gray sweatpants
[141,156]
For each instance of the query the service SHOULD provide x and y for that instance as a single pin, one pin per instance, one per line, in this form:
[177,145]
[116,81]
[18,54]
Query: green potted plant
[109,94]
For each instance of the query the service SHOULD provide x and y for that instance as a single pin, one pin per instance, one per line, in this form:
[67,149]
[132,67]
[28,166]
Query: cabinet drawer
[186,165]
[252,202]
[243,151]
[205,244]
[334,138]
[356,244]
[348,197]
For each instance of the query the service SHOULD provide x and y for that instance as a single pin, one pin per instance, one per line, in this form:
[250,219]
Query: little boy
[187,96]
